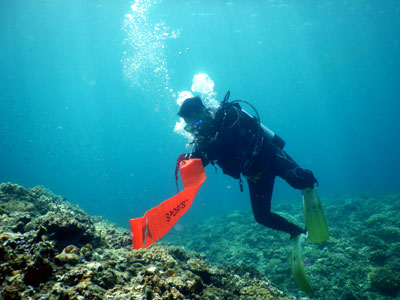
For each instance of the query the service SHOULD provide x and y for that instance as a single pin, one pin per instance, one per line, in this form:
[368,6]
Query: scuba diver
[241,145]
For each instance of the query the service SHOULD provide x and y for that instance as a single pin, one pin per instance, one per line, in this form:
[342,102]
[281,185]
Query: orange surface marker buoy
[157,221]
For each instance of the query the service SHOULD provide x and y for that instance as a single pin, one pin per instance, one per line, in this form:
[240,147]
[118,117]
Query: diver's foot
[300,231]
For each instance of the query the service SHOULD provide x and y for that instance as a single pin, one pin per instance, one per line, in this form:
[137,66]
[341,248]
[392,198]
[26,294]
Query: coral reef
[51,249]
[360,261]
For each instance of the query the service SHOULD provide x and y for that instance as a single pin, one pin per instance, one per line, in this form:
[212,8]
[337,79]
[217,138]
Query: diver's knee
[263,219]
[259,218]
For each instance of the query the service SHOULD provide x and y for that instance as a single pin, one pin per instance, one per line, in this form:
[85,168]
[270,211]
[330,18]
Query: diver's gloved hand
[203,156]
[183,157]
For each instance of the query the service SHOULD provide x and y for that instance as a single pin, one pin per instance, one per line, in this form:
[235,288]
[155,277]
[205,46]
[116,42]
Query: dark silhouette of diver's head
[191,109]
[197,116]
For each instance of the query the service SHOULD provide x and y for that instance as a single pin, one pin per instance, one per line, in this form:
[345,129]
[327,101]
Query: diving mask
[193,126]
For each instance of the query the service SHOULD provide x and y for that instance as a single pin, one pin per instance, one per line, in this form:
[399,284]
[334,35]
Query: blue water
[88,104]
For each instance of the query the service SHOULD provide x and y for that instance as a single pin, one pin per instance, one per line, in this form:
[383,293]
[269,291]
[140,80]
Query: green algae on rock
[385,280]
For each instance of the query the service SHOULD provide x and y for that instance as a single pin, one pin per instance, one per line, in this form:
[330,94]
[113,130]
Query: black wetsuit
[238,146]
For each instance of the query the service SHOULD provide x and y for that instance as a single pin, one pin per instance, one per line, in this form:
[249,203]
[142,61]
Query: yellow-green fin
[316,224]
[297,267]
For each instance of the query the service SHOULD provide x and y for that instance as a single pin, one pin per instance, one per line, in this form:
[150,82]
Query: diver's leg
[289,170]
[261,195]
[299,178]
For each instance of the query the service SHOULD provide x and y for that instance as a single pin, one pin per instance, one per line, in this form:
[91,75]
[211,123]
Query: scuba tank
[272,137]
[269,135]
